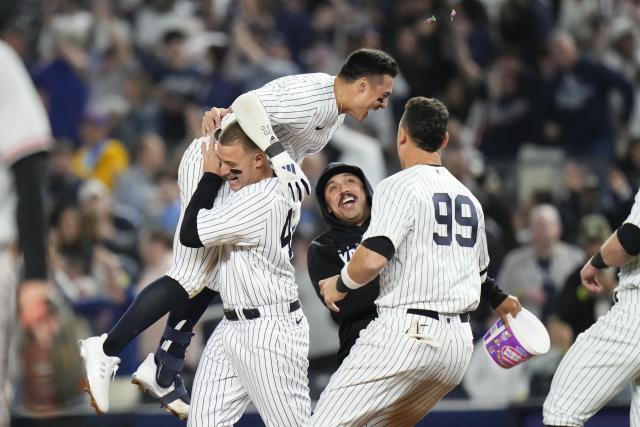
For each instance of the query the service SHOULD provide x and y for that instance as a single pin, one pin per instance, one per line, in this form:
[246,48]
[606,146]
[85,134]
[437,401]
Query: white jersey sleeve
[392,213]
[634,215]
[239,221]
[23,119]
[481,248]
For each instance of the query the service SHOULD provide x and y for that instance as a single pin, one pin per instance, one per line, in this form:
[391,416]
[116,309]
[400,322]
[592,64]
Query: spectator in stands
[100,157]
[580,102]
[576,306]
[536,272]
[137,186]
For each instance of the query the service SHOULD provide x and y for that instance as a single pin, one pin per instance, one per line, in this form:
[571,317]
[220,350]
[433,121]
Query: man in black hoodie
[344,196]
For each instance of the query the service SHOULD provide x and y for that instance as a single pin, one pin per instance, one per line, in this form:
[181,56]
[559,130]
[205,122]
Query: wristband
[341,287]
[348,281]
[598,262]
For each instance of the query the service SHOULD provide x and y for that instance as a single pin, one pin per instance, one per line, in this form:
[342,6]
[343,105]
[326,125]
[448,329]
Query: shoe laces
[109,367]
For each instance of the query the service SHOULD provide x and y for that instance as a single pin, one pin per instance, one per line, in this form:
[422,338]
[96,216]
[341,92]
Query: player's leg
[596,368]
[270,357]
[219,398]
[100,353]
[390,378]
[634,414]
[159,374]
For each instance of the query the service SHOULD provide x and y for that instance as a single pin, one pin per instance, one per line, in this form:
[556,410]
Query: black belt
[464,317]
[254,313]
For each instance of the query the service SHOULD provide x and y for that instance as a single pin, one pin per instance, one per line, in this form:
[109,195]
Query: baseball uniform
[604,358]
[418,348]
[259,351]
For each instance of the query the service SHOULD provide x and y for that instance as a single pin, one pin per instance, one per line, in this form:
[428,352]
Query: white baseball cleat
[173,398]
[100,369]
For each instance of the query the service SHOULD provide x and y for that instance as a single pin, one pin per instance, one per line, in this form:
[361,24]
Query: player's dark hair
[234,133]
[425,120]
[368,63]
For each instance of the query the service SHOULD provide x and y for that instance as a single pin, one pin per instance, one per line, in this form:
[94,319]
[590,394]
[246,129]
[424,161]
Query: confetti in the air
[430,20]
[452,15]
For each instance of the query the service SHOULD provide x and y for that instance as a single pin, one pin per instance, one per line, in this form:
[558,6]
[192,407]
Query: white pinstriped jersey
[252,230]
[304,115]
[303,111]
[437,228]
[629,276]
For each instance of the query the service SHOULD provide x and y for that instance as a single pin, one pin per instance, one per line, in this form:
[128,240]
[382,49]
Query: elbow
[374,263]
[189,235]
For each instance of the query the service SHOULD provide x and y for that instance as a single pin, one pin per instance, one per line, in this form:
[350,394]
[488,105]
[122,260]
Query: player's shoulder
[10,61]
[309,80]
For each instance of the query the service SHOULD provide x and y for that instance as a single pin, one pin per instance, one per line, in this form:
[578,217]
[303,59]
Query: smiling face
[346,199]
[366,94]
[240,166]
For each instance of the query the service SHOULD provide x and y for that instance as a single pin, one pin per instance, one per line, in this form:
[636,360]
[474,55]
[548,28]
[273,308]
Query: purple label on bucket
[505,349]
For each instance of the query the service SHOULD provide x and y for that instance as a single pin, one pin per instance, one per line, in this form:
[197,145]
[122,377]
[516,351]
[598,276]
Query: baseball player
[427,242]
[604,358]
[259,351]
[344,197]
[26,137]
[288,118]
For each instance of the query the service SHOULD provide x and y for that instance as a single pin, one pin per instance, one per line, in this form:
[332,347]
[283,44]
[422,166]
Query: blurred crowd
[545,130]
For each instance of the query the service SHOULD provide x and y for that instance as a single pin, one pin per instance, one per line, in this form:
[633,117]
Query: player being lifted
[290,117]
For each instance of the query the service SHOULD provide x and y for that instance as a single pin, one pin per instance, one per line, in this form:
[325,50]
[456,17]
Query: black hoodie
[329,252]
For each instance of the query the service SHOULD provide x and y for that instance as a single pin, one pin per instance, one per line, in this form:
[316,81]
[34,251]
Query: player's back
[438,263]
[303,111]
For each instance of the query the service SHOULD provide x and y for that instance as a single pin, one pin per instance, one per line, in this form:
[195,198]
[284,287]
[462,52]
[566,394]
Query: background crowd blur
[544,129]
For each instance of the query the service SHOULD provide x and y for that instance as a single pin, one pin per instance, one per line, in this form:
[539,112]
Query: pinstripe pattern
[443,278]
[602,361]
[604,358]
[299,104]
[630,272]
[262,360]
[390,379]
[296,105]
[193,268]
[254,268]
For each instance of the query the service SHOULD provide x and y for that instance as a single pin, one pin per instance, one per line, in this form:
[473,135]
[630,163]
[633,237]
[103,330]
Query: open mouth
[347,201]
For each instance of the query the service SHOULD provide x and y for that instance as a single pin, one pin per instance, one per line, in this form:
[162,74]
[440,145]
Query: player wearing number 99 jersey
[427,242]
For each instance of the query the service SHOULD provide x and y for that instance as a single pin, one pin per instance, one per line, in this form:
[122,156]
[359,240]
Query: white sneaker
[170,397]
[100,370]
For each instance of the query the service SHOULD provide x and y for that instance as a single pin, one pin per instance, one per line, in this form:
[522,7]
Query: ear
[259,160]
[445,140]
[362,84]
[402,136]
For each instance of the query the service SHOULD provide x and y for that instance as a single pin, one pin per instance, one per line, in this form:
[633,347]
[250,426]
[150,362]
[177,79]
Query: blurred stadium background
[533,122]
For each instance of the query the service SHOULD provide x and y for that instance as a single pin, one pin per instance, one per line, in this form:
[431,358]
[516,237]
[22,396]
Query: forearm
[365,265]
[202,198]
[614,253]
[29,180]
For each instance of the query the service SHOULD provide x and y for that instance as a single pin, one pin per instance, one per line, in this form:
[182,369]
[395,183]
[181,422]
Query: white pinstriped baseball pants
[262,360]
[391,379]
[602,361]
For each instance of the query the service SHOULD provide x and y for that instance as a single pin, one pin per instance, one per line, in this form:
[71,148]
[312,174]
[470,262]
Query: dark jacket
[327,255]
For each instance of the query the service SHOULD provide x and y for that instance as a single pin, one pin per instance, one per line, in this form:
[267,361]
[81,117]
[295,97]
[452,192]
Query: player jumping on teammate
[295,115]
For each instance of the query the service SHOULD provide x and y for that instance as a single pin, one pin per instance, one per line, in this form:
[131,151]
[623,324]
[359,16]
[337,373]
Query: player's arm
[391,221]
[29,180]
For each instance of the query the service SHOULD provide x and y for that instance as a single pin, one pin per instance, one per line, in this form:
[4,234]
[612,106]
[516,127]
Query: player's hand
[212,119]
[330,294]
[210,160]
[589,278]
[510,305]
[291,173]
